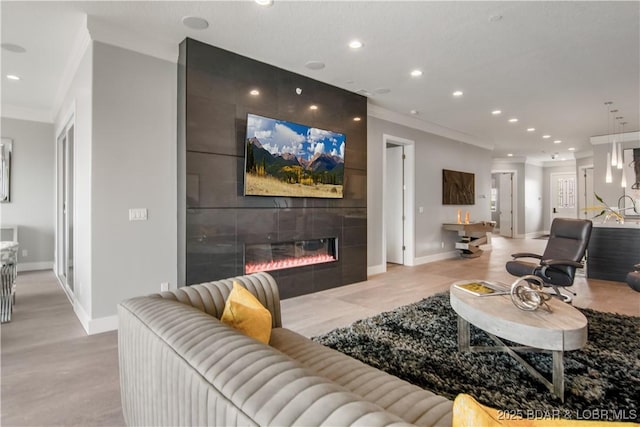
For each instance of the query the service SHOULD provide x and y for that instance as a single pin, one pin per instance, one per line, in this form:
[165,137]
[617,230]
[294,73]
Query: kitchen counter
[613,250]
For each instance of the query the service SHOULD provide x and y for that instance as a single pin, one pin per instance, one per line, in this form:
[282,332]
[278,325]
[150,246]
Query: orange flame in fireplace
[288,263]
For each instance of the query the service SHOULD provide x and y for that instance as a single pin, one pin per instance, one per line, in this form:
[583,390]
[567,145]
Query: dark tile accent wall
[214,101]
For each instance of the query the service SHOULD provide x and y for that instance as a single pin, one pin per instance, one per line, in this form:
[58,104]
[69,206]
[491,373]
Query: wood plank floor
[53,374]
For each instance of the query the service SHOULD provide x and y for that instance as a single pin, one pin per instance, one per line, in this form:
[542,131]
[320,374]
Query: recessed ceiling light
[355,44]
[414,112]
[531,129]
[12,77]
[557,141]
[546,136]
[313,107]
[356,119]
[382,90]
[513,120]
[195,23]
[457,93]
[510,155]
[13,48]
[416,73]
[264,2]
[315,65]
[572,149]
[254,92]
[496,112]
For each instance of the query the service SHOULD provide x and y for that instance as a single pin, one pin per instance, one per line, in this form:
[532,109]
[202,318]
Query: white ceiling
[550,64]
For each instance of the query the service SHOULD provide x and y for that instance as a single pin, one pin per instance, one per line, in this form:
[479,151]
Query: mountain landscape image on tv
[292,160]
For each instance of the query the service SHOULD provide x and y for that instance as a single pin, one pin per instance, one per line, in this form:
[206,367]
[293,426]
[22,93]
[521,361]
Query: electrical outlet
[421,209]
[164,286]
[25,253]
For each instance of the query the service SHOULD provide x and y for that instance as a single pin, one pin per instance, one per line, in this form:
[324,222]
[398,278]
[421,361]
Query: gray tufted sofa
[179,365]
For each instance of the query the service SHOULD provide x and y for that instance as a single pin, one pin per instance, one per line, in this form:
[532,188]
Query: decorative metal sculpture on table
[527,294]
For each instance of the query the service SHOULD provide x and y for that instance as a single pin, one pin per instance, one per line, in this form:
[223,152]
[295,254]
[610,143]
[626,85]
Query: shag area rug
[418,343]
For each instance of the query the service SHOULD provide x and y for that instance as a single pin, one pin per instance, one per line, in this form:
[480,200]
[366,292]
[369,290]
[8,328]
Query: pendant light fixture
[614,148]
[623,182]
[608,178]
[620,140]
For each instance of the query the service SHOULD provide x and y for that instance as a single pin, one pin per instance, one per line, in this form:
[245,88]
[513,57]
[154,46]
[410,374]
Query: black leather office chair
[633,278]
[568,241]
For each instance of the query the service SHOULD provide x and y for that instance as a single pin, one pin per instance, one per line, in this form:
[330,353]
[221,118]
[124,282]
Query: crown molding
[558,164]
[583,154]
[415,123]
[126,39]
[620,137]
[25,113]
[515,159]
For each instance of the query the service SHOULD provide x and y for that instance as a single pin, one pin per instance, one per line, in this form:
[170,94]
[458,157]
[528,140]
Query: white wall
[32,193]
[533,200]
[432,154]
[134,166]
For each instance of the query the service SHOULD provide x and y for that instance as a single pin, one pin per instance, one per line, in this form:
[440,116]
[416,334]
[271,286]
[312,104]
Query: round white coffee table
[562,329]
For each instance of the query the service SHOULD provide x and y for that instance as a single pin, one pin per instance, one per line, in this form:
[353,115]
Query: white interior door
[394,204]
[505,201]
[563,195]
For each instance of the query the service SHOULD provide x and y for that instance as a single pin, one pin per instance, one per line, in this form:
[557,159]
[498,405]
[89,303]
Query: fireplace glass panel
[281,255]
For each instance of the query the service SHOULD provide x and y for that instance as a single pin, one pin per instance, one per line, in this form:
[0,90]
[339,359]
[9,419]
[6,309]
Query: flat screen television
[292,160]
[458,188]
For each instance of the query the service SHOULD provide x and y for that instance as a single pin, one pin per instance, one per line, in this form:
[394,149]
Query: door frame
[409,198]
[514,200]
[582,170]
[60,230]
[577,197]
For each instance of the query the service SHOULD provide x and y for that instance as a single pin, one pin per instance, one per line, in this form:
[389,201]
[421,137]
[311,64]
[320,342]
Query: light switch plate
[138,214]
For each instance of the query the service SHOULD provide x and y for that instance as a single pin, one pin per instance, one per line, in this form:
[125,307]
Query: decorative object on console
[292,160]
[458,188]
[529,296]
[472,236]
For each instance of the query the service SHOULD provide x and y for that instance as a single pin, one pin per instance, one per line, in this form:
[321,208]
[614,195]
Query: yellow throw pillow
[244,312]
[467,412]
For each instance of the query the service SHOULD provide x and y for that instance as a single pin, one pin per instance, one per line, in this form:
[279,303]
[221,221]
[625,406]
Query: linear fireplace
[281,255]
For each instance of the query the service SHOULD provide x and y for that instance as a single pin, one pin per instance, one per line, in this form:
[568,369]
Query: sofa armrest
[179,366]
[210,297]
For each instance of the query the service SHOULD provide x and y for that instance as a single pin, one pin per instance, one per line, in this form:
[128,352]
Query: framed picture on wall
[458,188]
[631,171]
[6,147]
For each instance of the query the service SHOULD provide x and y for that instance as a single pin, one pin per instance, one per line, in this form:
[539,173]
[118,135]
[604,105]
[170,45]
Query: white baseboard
[33,266]
[376,269]
[435,257]
[94,326]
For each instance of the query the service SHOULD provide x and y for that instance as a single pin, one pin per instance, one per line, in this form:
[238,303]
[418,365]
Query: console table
[472,236]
